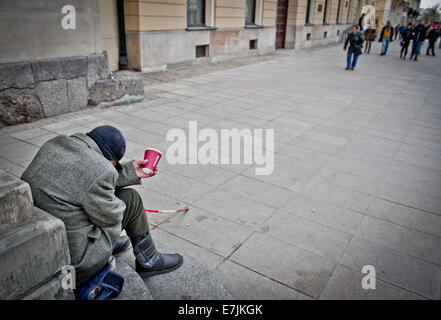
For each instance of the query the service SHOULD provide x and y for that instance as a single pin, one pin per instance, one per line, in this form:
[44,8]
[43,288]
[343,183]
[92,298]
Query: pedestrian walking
[405,40]
[386,36]
[431,35]
[418,36]
[369,35]
[439,36]
[397,31]
[401,30]
[355,40]
[360,22]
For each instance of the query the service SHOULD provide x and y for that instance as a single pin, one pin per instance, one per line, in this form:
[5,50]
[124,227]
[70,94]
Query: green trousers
[134,223]
[134,219]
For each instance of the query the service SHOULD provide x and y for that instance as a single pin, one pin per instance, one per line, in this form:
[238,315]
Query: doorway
[282,12]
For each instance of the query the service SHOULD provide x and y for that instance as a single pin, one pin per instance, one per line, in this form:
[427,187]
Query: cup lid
[154,150]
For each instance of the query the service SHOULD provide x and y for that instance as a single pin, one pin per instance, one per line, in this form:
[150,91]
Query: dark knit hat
[110,141]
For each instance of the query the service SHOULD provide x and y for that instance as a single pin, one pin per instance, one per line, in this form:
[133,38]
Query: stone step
[123,87]
[134,287]
[16,204]
[31,258]
[192,281]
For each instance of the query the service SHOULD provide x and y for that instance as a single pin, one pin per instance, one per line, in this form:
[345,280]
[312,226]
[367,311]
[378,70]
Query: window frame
[348,18]
[204,18]
[253,22]
[338,12]
[326,11]
[309,4]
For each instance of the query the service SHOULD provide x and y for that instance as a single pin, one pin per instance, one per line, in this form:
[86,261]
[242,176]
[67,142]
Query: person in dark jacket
[397,31]
[432,35]
[401,30]
[386,36]
[418,36]
[369,35]
[405,40]
[360,22]
[355,40]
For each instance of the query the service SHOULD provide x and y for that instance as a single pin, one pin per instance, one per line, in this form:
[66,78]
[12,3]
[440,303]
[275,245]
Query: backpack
[107,284]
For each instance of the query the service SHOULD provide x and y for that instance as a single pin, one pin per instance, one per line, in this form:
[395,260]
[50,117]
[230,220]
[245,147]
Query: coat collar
[88,141]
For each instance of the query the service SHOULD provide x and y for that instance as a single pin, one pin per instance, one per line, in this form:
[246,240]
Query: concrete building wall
[37,32]
[229,13]
[158,37]
[47,69]
[109,27]
[269,13]
[300,35]
[344,11]
[333,11]
[151,15]
[317,17]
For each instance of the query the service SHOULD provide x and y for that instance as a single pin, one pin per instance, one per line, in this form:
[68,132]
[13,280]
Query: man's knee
[131,198]
[128,195]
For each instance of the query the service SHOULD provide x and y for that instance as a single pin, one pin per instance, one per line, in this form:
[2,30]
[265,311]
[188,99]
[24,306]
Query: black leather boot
[150,262]
[121,245]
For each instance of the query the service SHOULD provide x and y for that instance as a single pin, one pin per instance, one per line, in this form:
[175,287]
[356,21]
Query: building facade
[397,11]
[56,54]
[172,33]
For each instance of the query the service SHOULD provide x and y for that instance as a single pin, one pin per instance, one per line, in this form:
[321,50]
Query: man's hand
[138,165]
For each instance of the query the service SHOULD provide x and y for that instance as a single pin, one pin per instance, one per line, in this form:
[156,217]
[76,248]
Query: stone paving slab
[314,237]
[357,175]
[296,268]
[345,284]
[246,284]
[396,268]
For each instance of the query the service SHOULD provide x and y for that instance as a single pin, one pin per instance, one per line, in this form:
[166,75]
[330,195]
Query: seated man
[79,180]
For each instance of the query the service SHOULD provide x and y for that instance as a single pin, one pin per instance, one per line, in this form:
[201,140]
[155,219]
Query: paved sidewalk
[357,178]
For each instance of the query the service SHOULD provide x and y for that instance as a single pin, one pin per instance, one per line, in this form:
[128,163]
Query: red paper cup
[153,156]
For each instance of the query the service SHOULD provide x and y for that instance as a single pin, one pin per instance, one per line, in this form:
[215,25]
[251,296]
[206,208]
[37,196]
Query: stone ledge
[192,281]
[64,68]
[32,254]
[134,287]
[16,204]
[16,75]
[33,90]
[123,83]
[50,290]
[19,105]
[97,68]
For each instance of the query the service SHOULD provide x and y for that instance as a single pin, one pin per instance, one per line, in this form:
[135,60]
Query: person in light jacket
[79,180]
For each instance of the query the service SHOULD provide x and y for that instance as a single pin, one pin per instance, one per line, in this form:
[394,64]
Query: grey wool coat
[71,179]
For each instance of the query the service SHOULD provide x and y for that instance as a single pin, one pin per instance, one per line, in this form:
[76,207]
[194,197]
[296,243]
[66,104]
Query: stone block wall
[37,89]
[33,246]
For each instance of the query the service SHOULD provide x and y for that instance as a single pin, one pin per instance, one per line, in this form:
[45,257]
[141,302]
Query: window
[250,12]
[202,51]
[308,36]
[195,13]
[308,11]
[349,11]
[338,12]
[253,44]
[325,14]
